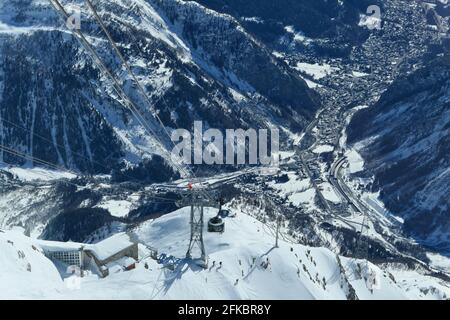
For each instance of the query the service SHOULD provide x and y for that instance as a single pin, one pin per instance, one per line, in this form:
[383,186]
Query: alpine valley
[93,205]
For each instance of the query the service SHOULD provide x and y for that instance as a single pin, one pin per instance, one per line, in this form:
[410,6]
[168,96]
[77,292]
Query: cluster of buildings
[361,78]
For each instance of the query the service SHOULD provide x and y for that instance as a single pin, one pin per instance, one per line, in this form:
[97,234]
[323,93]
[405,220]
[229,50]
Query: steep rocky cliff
[405,141]
[195,64]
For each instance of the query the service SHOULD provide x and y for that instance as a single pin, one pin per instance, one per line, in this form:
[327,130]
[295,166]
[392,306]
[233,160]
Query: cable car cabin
[224,213]
[216,225]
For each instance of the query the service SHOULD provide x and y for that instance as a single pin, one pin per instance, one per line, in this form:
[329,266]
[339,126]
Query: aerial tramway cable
[59,168]
[62,147]
[186,171]
[126,101]
[120,91]
[32,158]
[118,88]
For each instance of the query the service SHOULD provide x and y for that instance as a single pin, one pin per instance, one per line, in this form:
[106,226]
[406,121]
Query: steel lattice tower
[196,200]
[196,222]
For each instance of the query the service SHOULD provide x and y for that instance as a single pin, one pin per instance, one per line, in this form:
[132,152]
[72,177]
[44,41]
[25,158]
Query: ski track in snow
[242,249]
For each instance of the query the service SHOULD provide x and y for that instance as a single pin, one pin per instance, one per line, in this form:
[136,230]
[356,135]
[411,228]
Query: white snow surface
[317,71]
[323,148]
[356,162]
[294,271]
[298,190]
[329,193]
[33,174]
[117,208]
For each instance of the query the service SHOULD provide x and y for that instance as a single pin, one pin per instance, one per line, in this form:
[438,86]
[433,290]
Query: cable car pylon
[195,198]
[198,198]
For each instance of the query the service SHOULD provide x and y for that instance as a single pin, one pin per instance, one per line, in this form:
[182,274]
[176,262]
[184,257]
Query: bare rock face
[318,19]
[407,150]
[195,64]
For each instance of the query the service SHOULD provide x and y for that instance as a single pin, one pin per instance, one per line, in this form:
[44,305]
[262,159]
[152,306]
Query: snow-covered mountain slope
[53,205]
[293,23]
[243,264]
[56,105]
[26,273]
[404,140]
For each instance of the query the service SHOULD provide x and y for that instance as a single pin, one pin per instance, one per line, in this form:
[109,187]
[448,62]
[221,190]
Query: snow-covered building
[70,257]
[92,256]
